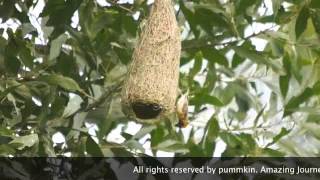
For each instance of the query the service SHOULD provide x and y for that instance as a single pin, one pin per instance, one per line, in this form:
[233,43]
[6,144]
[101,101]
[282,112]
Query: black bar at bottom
[152,168]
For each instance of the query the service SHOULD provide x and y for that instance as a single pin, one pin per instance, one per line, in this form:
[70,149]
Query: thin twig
[212,43]
[114,3]
[103,97]
[259,127]
[100,100]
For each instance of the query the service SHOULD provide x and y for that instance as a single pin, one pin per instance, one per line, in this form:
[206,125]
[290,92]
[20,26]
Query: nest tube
[151,86]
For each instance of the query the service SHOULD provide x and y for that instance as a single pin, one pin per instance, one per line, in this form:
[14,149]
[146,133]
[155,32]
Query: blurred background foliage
[252,68]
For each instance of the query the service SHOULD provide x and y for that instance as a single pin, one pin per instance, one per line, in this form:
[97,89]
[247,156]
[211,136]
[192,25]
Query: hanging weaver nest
[151,86]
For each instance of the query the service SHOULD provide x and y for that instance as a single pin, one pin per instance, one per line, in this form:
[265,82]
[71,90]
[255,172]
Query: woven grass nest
[151,86]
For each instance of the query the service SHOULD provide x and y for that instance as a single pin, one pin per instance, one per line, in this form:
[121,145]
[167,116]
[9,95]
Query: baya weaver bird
[182,110]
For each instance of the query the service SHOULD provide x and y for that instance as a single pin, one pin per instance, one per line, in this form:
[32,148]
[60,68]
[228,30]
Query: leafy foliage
[252,68]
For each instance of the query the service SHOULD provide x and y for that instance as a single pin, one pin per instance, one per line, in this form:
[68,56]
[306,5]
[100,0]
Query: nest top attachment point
[151,86]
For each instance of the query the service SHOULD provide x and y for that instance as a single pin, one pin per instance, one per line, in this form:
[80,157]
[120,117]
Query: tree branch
[104,97]
[207,43]
[100,100]
[115,3]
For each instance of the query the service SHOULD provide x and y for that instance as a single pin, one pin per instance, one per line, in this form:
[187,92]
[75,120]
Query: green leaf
[171,145]
[177,148]
[144,131]
[27,28]
[310,110]
[212,132]
[302,20]
[104,118]
[6,132]
[93,148]
[259,58]
[230,139]
[218,20]
[314,118]
[243,5]
[60,13]
[260,113]
[197,65]
[214,56]
[6,10]
[276,4]
[6,150]
[46,146]
[157,135]
[56,46]
[282,133]
[212,6]
[211,78]
[239,144]
[301,98]
[316,20]
[273,153]
[166,143]
[129,24]
[316,88]
[26,141]
[202,99]
[236,60]
[225,94]
[59,80]
[190,17]
[296,101]
[284,84]
[127,136]
[4,93]
[12,64]
[74,104]
[284,80]
[134,145]
[123,54]
[243,103]
[312,128]
[315,4]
